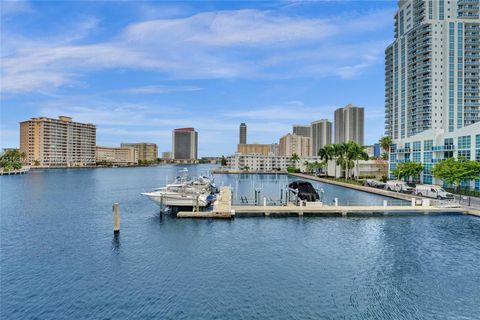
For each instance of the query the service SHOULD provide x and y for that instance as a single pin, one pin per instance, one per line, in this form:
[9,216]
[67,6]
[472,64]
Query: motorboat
[184,192]
[304,190]
[173,199]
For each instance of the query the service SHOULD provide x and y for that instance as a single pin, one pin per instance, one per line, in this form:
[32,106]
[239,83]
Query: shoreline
[402,196]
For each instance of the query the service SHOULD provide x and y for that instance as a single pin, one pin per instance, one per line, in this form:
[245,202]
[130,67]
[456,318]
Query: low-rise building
[166,155]
[361,169]
[432,146]
[257,148]
[265,163]
[146,151]
[116,156]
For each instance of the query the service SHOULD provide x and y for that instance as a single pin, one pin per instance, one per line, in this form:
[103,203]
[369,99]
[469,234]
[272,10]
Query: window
[427,157]
[465,154]
[417,145]
[464,142]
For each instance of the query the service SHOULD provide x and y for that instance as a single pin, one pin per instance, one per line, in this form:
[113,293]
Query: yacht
[184,192]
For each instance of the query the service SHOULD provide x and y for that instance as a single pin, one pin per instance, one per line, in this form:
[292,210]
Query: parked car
[398,186]
[305,190]
[432,191]
[375,183]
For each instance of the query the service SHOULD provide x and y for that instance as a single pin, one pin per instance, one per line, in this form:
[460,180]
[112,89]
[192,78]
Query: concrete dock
[223,209]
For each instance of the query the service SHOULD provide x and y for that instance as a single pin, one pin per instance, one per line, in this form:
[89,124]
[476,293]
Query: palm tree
[356,152]
[294,158]
[385,143]
[338,155]
[327,153]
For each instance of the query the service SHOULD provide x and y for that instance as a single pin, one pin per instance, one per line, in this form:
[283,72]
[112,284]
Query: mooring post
[336,202]
[413,202]
[161,204]
[385,203]
[264,201]
[116,218]
[198,205]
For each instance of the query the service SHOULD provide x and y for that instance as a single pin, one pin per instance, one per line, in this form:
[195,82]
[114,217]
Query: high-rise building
[349,124]
[292,143]
[432,103]
[243,134]
[321,134]
[301,130]
[185,144]
[146,151]
[58,142]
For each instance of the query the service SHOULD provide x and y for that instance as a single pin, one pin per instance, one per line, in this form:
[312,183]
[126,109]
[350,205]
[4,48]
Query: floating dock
[223,209]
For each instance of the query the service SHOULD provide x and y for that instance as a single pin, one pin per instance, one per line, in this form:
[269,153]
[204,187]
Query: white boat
[184,192]
[177,199]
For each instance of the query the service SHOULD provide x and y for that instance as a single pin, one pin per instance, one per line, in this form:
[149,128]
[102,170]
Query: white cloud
[289,112]
[162,89]
[223,44]
[10,8]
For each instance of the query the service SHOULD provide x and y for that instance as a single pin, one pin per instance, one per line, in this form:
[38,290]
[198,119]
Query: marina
[58,224]
[223,209]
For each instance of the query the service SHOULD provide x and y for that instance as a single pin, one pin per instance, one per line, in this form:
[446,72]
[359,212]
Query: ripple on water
[59,258]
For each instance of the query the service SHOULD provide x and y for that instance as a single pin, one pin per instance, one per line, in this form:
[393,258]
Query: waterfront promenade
[403,196]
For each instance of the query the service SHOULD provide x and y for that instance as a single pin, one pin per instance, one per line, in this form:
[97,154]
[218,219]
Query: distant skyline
[140,69]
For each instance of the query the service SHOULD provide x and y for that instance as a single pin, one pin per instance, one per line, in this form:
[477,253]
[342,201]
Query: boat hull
[177,200]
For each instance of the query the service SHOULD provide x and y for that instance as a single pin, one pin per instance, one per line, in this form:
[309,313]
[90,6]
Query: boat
[175,199]
[184,192]
[304,190]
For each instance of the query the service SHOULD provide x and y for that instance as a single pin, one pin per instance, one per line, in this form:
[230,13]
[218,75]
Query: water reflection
[116,242]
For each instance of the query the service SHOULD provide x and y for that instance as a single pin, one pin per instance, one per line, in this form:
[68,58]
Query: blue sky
[139,69]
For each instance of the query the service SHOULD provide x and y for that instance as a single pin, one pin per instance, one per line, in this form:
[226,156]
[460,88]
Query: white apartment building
[265,163]
[432,103]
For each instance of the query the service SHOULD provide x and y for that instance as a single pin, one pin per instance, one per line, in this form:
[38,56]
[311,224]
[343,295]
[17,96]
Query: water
[271,185]
[60,259]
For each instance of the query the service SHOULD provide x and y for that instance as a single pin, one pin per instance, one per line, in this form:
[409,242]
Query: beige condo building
[58,142]
[116,156]
[146,151]
[292,143]
[256,148]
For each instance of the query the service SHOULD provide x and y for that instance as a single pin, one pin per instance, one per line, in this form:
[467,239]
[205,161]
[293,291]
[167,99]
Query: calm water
[59,258]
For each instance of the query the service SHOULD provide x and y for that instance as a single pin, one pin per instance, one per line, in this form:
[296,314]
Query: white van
[399,186]
[432,191]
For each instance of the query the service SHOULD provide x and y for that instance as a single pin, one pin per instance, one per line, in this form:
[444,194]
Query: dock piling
[116,217]
[385,203]
[413,202]
[336,202]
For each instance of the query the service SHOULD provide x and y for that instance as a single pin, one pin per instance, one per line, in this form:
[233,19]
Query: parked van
[398,186]
[431,191]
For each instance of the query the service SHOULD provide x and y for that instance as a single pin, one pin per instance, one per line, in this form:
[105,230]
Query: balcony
[443,148]
[403,150]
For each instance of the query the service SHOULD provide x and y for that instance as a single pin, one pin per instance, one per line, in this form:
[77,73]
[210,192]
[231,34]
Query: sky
[139,69]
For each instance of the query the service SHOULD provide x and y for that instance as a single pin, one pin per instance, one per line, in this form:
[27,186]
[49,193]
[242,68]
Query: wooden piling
[116,217]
